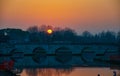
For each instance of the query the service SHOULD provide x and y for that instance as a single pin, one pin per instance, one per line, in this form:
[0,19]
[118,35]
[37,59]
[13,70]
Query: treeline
[37,34]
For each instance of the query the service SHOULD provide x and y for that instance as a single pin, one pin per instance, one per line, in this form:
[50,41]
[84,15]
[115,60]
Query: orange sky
[91,15]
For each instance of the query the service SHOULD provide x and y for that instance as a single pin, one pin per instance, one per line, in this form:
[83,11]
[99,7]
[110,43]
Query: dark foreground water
[70,72]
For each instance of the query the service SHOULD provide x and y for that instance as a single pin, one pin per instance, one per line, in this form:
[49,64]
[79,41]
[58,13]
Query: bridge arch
[39,55]
[88,54]
[16,55]
[63,54]
[109,53]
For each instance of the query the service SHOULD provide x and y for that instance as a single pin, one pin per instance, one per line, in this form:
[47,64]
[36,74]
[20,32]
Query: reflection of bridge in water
[61,55]
[48,72]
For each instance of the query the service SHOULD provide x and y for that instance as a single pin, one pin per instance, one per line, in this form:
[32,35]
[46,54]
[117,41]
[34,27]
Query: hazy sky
[91,15]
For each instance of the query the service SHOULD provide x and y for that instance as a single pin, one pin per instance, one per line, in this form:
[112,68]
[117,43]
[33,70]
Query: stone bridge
[61,55]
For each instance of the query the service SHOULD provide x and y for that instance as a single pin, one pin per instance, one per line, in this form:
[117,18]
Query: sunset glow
[77,14]
[60,37]
[49,31]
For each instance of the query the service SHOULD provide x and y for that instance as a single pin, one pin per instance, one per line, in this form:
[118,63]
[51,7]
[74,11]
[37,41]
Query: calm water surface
[70,72]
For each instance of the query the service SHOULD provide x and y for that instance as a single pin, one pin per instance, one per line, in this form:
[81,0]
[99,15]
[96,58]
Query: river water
[70,72]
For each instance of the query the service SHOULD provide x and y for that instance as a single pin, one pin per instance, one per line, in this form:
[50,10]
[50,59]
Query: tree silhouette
[35,34]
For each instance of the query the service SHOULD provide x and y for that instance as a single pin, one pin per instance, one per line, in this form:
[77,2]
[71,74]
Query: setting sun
[49,31]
